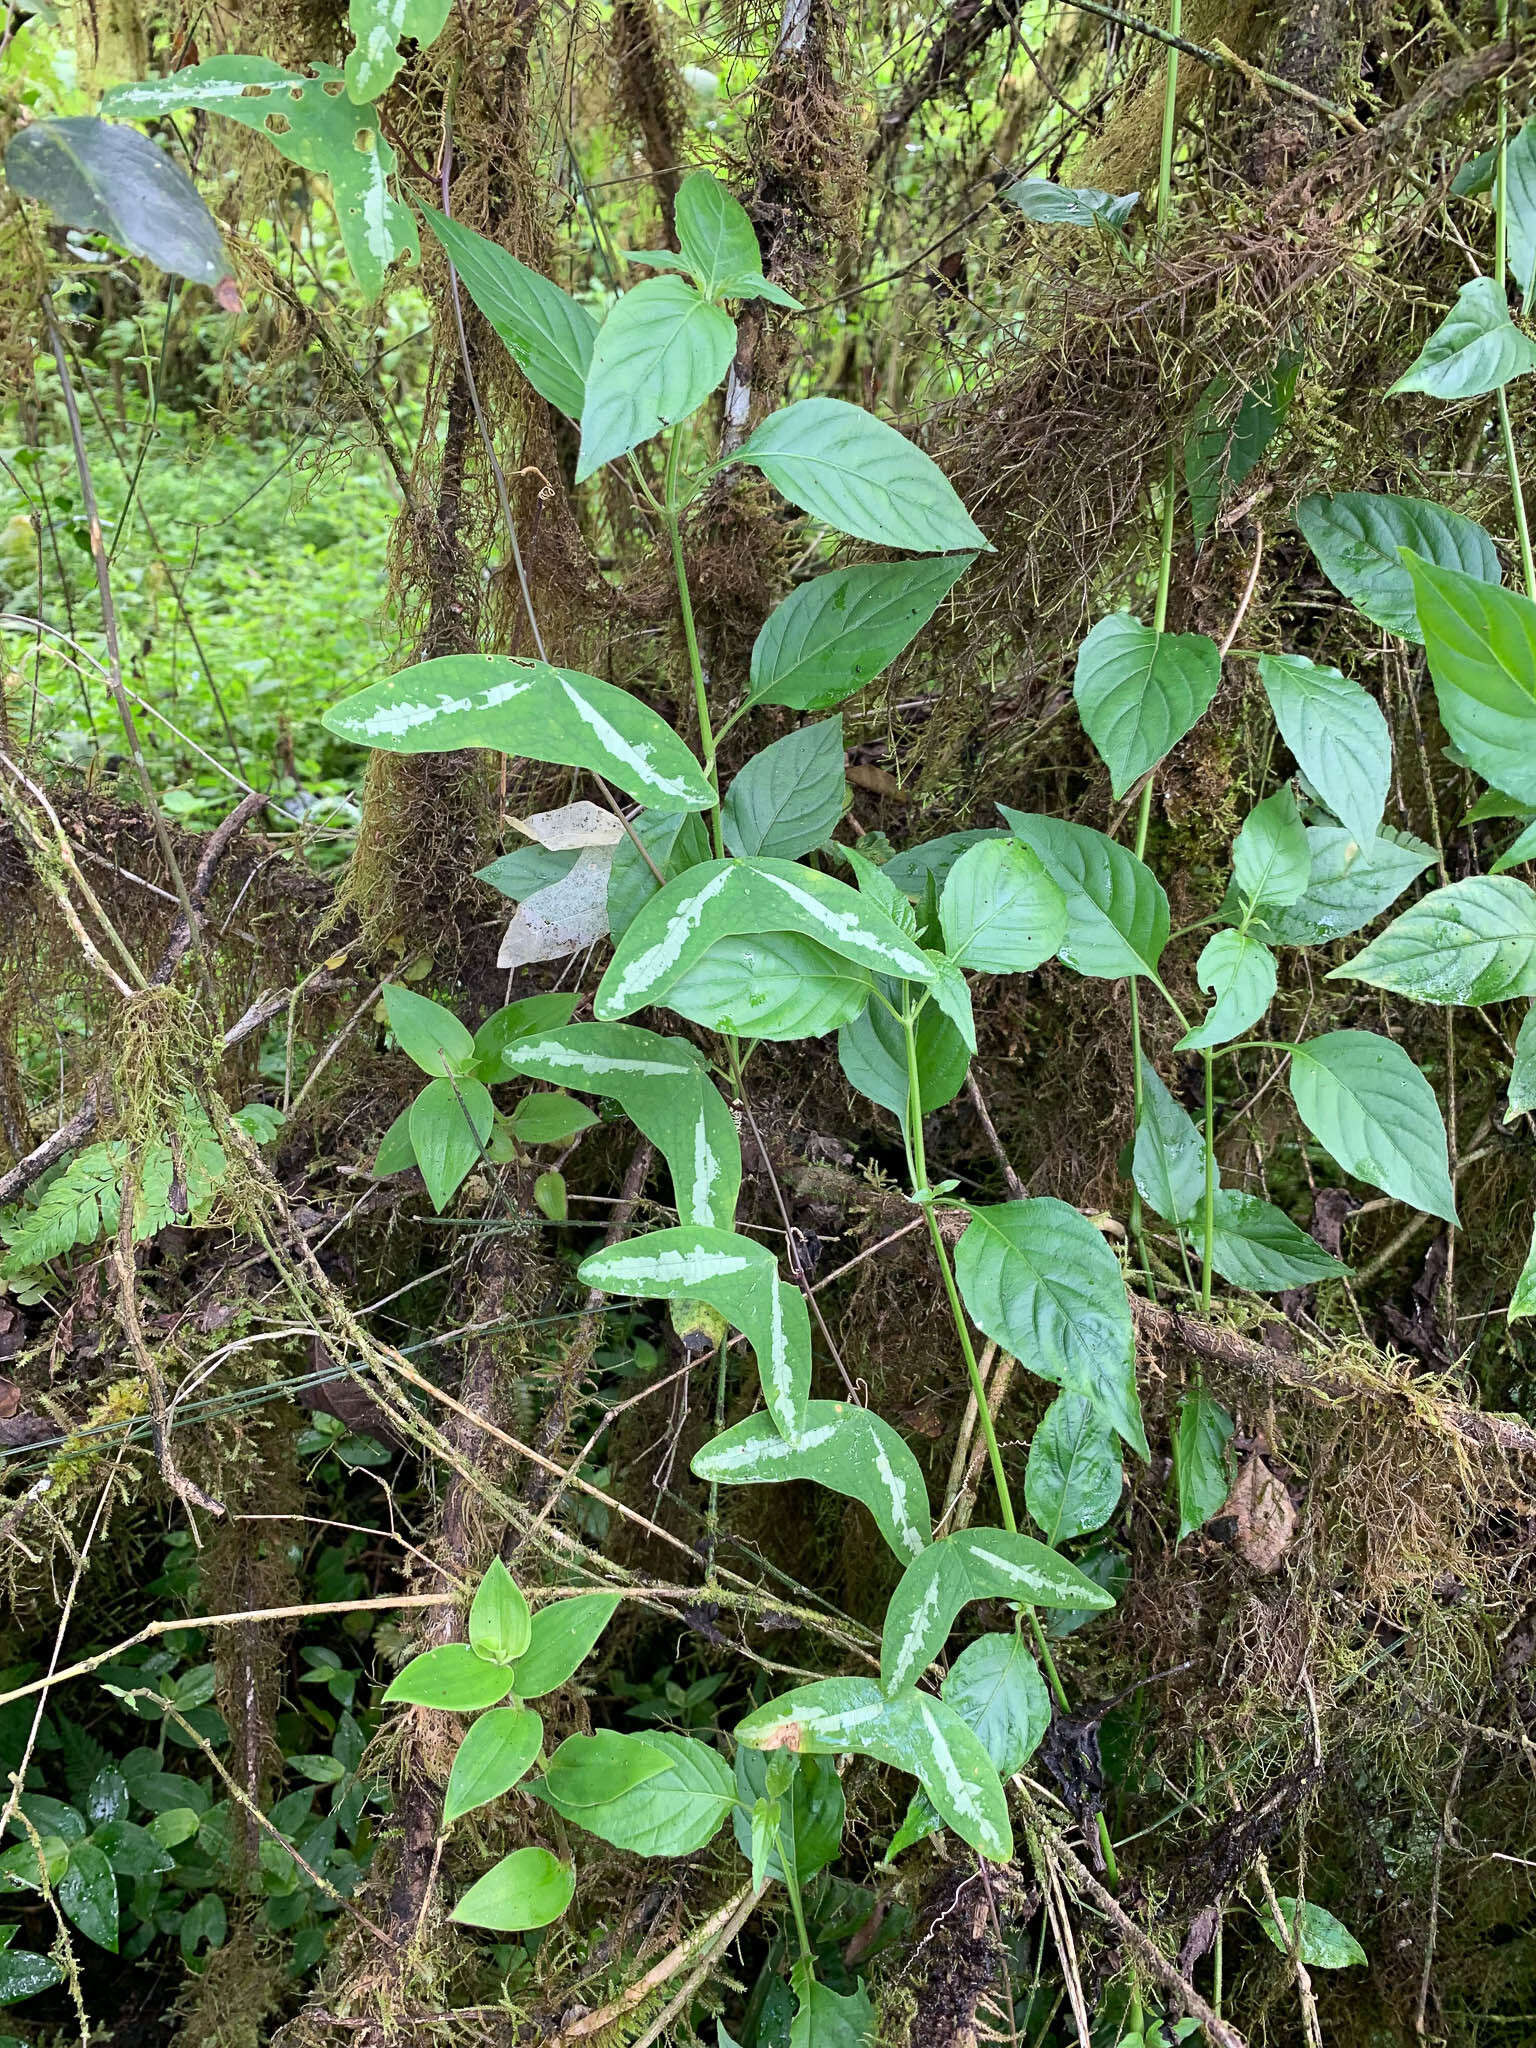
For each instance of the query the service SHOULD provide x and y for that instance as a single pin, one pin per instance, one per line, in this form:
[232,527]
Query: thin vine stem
[1170,117]
[1500,264]
[1208,1210]
[669,512]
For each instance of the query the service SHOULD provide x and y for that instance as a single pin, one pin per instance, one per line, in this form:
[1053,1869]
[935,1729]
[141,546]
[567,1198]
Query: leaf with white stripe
[737,1278]
[973,1564]
[527,708]
[663,1088]
[723,899]
[848,1449]
[914,1732]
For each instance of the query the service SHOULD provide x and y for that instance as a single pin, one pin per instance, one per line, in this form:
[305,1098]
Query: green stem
[1208,1217]
[690,635]
[1500,260]
[792,1886]
[1170,118]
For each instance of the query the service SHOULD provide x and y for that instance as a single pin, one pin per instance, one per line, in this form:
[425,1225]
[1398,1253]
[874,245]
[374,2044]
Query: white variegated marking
[389,721]
[670,1268]
[636,755]
[964,1796]
[376,207]
[780,1370]
[647,968]
[766,1450]
[833,1727]
[706,1171]
[569,1060]
[909,1658]
[896,1490]
[1018,1574]
[850,928]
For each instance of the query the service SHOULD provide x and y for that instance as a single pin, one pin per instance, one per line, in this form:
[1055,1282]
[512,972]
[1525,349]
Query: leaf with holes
[1476,348]
[1038,1279]
[378,28]
[310,121]
[527,708]
[1139,691]
[658,355]
[1000,911]
[835,633]
[450,1125]
[548,334]
[914,1732]
[789,797]
[973,1564]
[1256,1245]
[1168,1157]
[1371,1110]
[845,1448]
[842,465]
[1471,942]
[1239,975]
[736,1277]
[1358,536]
[1481,643]
[1117,913]
[1073,1479]
[1338,735]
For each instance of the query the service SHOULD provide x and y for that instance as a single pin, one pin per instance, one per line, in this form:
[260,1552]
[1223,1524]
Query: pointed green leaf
[590,1770]
[427,1033]
[912,870]
[88,1894]
[1358,537]
[847,1449]
[1348,887]
[1117,913]
[809,1815]
[1039,1280]
[529,1888]
[995,1686]
[452,1679]
[1520,205]
[657,357]
[1322,1943]
[1071,206]
[716,236]
[1271,856]
[1337,734]
[789,797]
[670,1812]
[396,1152]
[1523,1301]
[973,1564]
[497,1751]
[499,1621]
[1073,1479]
[915,1733]
[825,2018]
[1239,974]
[1517,853]
[736,1277]
[872,1052]
[549,1119]
[1481,642]
[548,334]
[1200,1459]
[1370,1108]
[835,633]
[522,1019]
[1522,1074]
[527,708]
[562,1637]
[1471,942]
[450,1124]
[1139,691]
[1256,1245]
[1168,1159]
[1000,910]
[1476,347]
[844,466]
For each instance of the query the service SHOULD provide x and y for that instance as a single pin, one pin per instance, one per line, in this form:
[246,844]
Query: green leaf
[113,181]
[1200,1459]
[1370,1108]
[1476,175]
[1117,913]
[844,466]
[1073,1479]
[1337,734]
[973,1564]
[663,1088]
[452,1679]
[1481,642]
[996,1689]
[529,1888]
[1322,1942]
[564,1632]
[1001,912]
[914,1732]
[1168,1158]
[810,1814]
[23,1974]
[872,1052]
[882,892]
[657,357]
[1476,348]
[675,841]
[1358,536]
[835,633]
[522,1019]
[133,1851]
[1523,1301]
[912,871]
[1227,437]
[1350,885]
[531,709]
[1520,205]
[950,991]
[588,1770]
[671,1812]
[498,1749]
[1522,1074]
[548,334]
[850,1450]
[317,128]
[1271,856]
[88,1894]
[378,28]
[106,1797]
[789,797]
[717,239]
[1040,1281]
[728,898]
[550,1119]
[736,1277]
[1256,1245]
[549,1194]
[1069,206]
[1518,853]
[499,1622]
[1239,974]
[1139,691]
[396,1152]
[774,986]
[51,1817]
[427,1033]
[825,2018]
[450,1123]
[1471,942]
[531,868]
